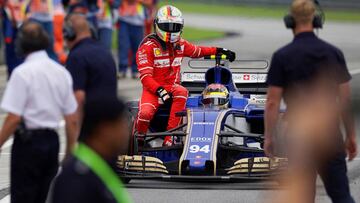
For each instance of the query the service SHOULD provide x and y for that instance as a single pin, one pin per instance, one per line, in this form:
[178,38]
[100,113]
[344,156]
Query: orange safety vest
[104,9]
[16,10]
[41,6]
[131,8]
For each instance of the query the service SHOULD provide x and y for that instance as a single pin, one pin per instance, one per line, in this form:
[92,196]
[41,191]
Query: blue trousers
[129,38]
[333,173]
[49,28]
[105,37]
[9,33]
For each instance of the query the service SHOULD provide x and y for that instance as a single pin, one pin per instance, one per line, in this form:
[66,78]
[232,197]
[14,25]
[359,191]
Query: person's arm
[72,131]
[348,120]
[145,63]
[272,107]
[80,99]
[77,67]
[276,81]
[194,51]
[347,117]
[14,101]
[11,123]
[71,117]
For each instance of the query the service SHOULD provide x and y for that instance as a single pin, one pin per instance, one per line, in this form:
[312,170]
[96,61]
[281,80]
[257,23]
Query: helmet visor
[215,101]
[170,27]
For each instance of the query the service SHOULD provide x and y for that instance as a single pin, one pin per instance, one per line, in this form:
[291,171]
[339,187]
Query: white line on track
[354,71]
[6,199]
[8,143]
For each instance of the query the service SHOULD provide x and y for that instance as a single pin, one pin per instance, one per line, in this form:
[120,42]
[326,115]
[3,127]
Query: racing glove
[230,54]
[163,94]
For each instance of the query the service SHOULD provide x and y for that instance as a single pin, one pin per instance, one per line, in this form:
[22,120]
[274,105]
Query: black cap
[99,111]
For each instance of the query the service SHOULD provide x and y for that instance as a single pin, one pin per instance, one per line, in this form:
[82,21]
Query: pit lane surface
[257,39]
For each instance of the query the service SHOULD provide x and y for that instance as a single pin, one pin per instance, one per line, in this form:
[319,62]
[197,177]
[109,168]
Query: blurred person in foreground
[91,65]
[88,176]
[312,77]
[37,97]
[159,60]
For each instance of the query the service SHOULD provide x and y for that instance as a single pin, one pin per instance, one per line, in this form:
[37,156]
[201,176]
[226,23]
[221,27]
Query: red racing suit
[159,66]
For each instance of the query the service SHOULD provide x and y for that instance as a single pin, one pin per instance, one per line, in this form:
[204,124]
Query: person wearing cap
[37,97]
[88,175]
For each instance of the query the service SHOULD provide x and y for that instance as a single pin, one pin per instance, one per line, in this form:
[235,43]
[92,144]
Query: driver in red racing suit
[159,59]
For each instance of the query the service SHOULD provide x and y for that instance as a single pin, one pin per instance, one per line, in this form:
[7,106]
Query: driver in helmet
[159,59]
[215,95]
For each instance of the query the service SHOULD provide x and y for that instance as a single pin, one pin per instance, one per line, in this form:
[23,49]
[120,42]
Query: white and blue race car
[221,144]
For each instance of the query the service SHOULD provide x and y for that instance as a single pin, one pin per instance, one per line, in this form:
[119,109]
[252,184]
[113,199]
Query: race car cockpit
[215,95]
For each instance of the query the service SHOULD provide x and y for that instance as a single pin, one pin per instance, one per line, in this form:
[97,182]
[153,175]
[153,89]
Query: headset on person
[70,34]
[318,21]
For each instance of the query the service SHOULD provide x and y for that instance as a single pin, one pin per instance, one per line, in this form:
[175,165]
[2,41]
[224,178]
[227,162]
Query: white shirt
[40,91]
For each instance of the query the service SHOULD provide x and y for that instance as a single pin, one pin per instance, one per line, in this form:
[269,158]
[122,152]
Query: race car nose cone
[198,166]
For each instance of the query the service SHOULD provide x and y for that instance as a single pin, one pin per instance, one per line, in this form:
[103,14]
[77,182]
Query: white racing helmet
[168,24]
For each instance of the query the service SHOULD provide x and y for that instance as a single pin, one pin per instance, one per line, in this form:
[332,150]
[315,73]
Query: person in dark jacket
[87,175]
[90,64]
[312,77]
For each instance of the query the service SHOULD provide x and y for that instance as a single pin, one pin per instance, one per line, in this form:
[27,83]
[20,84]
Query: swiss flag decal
[246,77]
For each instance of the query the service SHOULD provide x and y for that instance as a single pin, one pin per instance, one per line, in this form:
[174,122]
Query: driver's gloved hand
[230,54]
[163,94]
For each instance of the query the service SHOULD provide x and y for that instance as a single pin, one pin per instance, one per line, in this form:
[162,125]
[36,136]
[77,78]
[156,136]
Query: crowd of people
[132,20]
